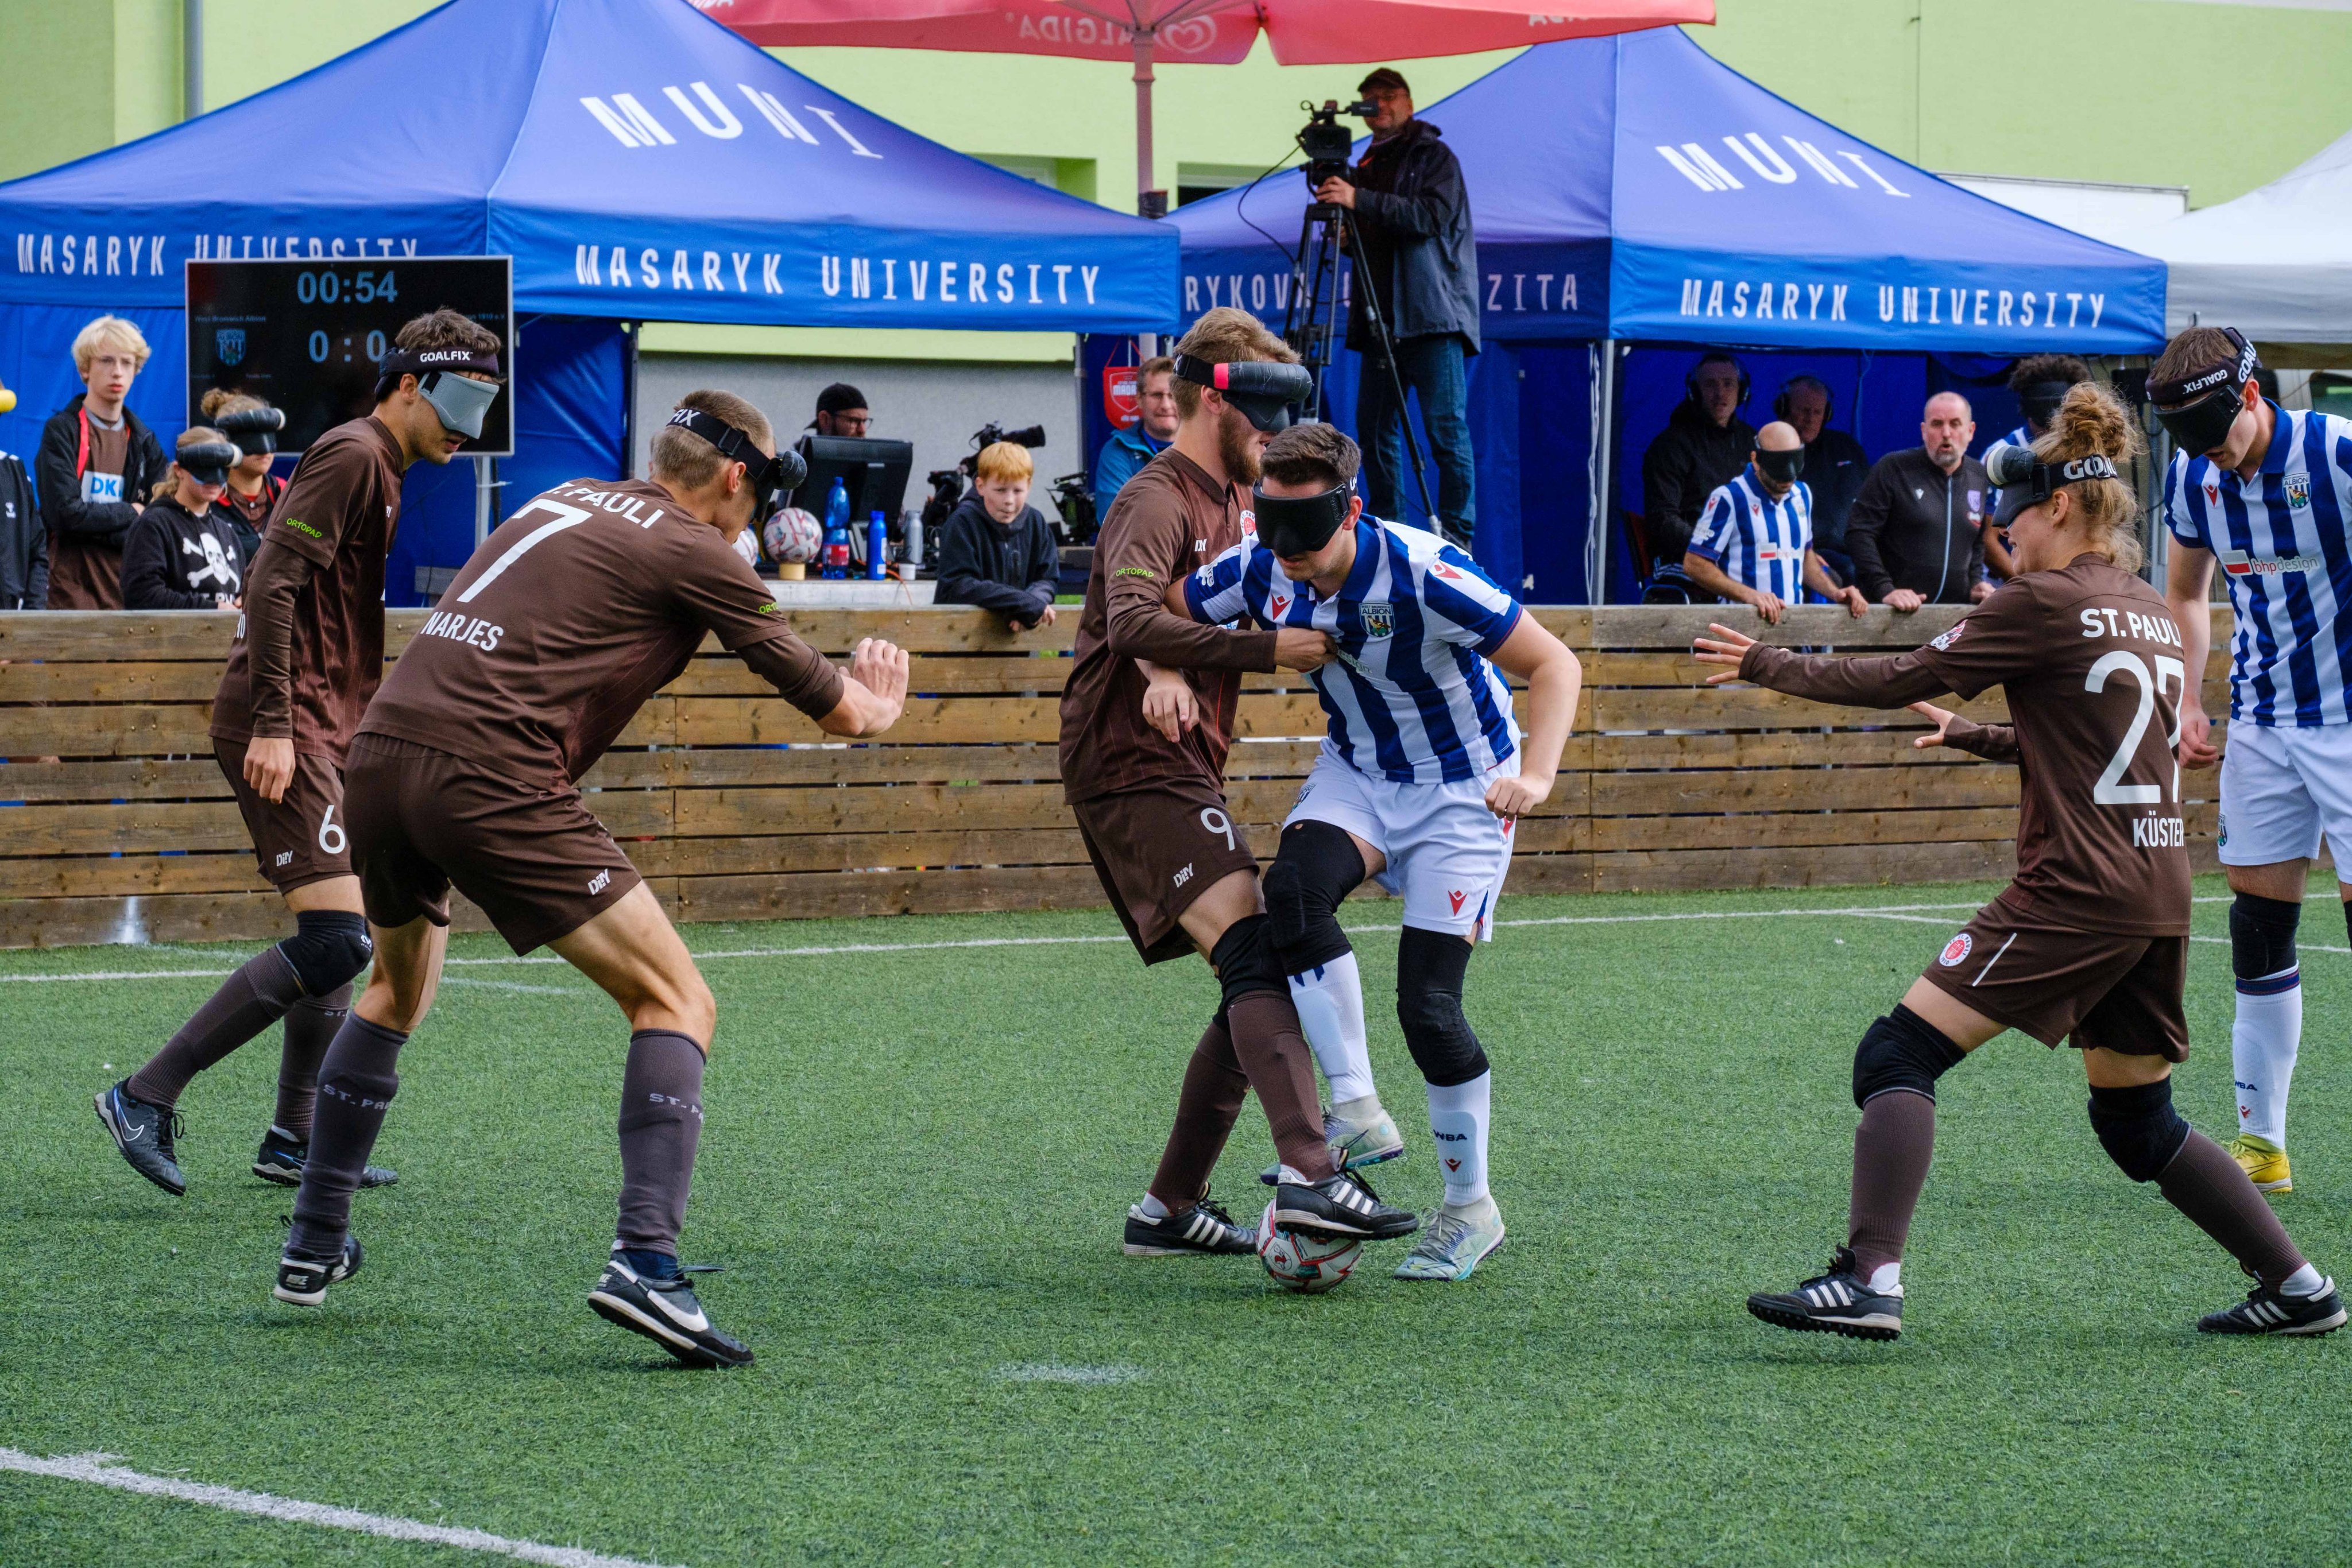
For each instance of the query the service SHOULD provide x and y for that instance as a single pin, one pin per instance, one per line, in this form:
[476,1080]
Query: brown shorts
[1157,848]
[529,854]
[302,839]
[2090,989]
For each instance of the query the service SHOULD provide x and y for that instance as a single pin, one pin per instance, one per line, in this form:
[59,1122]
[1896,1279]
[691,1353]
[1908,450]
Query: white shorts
[2281,789]
[1446,853]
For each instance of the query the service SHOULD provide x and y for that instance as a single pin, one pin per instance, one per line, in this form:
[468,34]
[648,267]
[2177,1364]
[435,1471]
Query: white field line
[98,1470]
[513,985]
[1920,913]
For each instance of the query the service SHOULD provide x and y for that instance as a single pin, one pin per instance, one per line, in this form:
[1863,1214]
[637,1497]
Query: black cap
[1385,77]
[840,398]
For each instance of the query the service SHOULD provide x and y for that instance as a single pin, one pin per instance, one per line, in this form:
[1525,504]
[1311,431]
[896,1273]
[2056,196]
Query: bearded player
[2267,492]
[1152,811]
[1423,778]
[2089,943]
[307,656]
[467,769]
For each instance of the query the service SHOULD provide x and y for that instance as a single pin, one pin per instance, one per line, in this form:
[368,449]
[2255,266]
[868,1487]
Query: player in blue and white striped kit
[1423,778]
[1754,543]
[2267,492]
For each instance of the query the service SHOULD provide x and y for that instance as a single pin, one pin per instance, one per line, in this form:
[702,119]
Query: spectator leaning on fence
[1754,541]
[1916,532]
[96,458]
[996,550]
[1126,451]
[183,553]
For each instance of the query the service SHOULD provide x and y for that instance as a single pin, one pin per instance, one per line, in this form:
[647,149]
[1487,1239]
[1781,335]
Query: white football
[793,537]
[1307,1264]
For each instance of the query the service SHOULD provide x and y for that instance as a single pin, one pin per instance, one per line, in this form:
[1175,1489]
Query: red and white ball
[793,537]
[1307,1264]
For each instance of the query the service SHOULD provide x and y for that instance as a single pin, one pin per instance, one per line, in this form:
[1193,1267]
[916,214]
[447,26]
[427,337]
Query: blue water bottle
[836,530]
[878,545]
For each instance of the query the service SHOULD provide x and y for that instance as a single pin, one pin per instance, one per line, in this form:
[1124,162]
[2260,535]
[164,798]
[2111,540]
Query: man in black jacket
[23,543]
[1916,532]
[1835,466]
[1417,256]
[97,459]
[996,550]
[1705,444]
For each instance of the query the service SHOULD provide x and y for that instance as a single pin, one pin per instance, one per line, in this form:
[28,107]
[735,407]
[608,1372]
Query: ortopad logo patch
[1957,950]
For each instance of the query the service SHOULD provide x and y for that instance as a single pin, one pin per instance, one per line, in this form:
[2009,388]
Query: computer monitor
[875,473]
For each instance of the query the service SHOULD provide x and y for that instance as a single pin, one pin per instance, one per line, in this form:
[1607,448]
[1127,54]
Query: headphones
[1716,357]
[1829,398]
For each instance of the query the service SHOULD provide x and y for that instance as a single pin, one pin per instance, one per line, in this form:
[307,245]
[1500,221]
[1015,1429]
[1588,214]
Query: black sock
[310,1026]
[356,1084]
[248,1001]
[661,1123]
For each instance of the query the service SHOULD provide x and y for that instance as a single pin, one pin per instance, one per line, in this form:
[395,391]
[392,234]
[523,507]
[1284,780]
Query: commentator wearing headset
[1835,464]
[1704,445]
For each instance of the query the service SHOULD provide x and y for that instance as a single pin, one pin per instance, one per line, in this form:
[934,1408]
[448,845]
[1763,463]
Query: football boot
[2266,1310]
[1206,1227]
[1453,1244]
[1353,1146]
[282,1159]
[1342,1205]
[663,1307]
[2263,1162]
[147,1135]
[302,1281]
[1839,1302]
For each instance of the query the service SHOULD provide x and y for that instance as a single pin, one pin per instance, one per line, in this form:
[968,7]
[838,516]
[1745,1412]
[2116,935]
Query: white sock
[1886,1279]
[1330,1003]
[2304,1281]
[1457,1116]
[2262,1045]
[1152,1207]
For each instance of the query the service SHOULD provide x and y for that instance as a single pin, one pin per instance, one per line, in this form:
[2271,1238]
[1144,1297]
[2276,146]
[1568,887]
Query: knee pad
[2261,941]
[1430,966]
[2138,1127]
[1245,963]
[1317,866]
[328,949]
[1902,1050]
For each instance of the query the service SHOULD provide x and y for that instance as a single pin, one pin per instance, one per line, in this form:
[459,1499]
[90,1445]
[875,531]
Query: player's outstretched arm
[1994,742]
[1894,680]
[874,692]
[1554,678]
[2188,580]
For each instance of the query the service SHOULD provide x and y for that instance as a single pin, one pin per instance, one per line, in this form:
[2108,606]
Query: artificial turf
[914,1171]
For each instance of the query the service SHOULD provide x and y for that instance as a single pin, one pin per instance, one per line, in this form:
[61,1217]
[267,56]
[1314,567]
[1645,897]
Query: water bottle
[877,547]
[912,561]
[836,530]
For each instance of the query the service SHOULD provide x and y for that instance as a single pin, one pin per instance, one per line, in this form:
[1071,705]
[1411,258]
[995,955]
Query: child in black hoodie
[183,553]
[996,550]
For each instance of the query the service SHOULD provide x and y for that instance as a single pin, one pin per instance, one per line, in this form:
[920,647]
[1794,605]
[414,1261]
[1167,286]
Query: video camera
[1326,141]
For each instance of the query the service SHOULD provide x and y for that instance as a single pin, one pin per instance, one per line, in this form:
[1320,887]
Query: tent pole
[1145,193]
[1596,541]
[481,501]
[192,59]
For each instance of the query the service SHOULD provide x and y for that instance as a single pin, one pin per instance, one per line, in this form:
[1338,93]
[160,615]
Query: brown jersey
[2091,660]
[1170,519]
[578,608]
[305,666]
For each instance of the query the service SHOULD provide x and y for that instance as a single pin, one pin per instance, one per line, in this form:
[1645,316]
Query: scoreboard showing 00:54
[306,335]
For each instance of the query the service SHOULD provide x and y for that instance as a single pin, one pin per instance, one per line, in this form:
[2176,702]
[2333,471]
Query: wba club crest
[2298,491]
[1380,618]
[229,345]
[1955,951]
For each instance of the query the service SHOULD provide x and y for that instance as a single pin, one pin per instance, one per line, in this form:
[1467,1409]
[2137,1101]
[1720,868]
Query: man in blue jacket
[1125,453]
[1416,254]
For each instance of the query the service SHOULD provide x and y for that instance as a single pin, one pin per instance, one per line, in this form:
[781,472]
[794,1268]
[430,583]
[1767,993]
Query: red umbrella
[1190,32]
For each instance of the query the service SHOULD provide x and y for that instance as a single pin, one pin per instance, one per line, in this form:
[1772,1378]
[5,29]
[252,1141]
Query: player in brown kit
[2089,943]
[1152,810]
[580,606]
[308,655]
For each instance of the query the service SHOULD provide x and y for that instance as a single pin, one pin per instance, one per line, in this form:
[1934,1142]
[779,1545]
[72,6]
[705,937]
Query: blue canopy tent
[638,160]
[1633,189]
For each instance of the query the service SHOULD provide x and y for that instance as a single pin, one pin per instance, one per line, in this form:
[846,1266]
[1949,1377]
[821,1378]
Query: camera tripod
[1310,320]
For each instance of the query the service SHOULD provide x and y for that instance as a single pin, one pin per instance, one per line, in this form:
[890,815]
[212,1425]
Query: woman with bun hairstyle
[252,488]
[2088,944]
[183,553]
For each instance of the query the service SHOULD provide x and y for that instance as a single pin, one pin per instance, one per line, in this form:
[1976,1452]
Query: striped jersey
[2285,542]
[1410,697]
[1758,542]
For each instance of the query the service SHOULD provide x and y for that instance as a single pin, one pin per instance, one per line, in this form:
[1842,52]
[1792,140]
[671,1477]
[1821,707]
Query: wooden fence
[121,828]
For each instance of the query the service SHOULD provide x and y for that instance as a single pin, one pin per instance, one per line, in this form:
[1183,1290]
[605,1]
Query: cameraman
[997,550]
[1416,255]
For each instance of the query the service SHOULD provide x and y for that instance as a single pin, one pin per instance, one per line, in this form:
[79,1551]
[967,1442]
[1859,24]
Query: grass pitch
[914,1168]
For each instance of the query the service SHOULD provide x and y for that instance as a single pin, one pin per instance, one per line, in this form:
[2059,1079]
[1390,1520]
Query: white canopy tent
[2276,263]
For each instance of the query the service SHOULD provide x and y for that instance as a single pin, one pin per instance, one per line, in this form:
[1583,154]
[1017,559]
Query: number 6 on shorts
[330,837]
